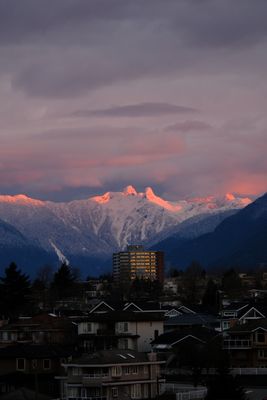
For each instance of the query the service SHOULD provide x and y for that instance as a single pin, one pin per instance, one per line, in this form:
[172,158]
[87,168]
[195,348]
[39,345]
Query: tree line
[18,294]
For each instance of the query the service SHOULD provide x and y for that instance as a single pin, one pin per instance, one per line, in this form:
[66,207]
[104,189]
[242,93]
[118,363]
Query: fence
[184,392]
[249,371]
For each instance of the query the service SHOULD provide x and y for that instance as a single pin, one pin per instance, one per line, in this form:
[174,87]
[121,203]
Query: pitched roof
[192,319]
[121,316]
[43,321]
[173,337]
[250,326]
[108,357]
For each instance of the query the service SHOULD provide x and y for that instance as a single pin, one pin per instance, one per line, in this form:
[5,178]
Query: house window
[114,392]
[136,391]
[72,391]
[127,370]
[134,369]
[34,364]
[76,371]
[145,391]
[116,371]
[262,353]
[225,325]
[46,364]
[21,364]
[89,327]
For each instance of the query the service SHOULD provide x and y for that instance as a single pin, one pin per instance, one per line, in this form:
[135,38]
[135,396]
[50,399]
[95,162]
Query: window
[46,364]
[136,391]
[226,325]
[34,364]
[72,392]
[89,327]
[21,364]
[125,327]
[127,370]
[116,371]
[76,371]
[135,369]
[145,391]
[262,353]
[114,392]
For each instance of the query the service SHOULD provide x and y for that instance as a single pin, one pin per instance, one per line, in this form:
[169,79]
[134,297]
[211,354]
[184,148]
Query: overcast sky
[99,94]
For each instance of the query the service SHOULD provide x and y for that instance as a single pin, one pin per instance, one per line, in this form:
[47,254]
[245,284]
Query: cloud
[71,72]
[188,126]
[75,47]
[136,110]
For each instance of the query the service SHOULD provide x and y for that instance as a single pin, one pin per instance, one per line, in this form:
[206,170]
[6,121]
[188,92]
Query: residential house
[120,329]
[32,365]
[112,374]
[40,329]
[189,320]
[171,340]
[241,313]
[246,344]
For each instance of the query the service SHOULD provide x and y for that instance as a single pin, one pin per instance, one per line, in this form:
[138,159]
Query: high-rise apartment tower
[136,262]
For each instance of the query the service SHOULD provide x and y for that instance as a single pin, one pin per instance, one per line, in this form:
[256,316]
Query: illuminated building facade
[139,263]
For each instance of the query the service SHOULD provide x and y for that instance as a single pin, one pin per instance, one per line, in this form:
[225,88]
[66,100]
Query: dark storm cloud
[136,110]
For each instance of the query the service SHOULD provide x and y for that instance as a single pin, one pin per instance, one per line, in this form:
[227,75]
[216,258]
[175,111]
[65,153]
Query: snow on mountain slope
[102,224]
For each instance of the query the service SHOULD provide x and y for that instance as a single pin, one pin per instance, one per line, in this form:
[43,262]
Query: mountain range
[239,240]
[86,232]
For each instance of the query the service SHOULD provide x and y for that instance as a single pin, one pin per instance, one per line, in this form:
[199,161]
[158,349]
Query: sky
[99,94]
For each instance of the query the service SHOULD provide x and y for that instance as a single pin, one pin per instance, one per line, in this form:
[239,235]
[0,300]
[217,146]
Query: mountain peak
[229,196]
[20,199]
[150,195]
[129,191]
[101,199]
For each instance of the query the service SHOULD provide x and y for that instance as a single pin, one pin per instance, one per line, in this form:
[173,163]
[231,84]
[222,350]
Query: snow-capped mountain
[99,225]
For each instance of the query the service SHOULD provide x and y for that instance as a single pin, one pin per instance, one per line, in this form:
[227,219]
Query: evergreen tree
[192,277]
[63,284]
[231,283]
[210,298]
[15,292]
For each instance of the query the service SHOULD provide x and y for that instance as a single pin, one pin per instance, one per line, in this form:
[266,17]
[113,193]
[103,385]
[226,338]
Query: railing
[95,375]
[249,371]
[196,394]
[89,379]
[184,392]
[236,344]
[83,398]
